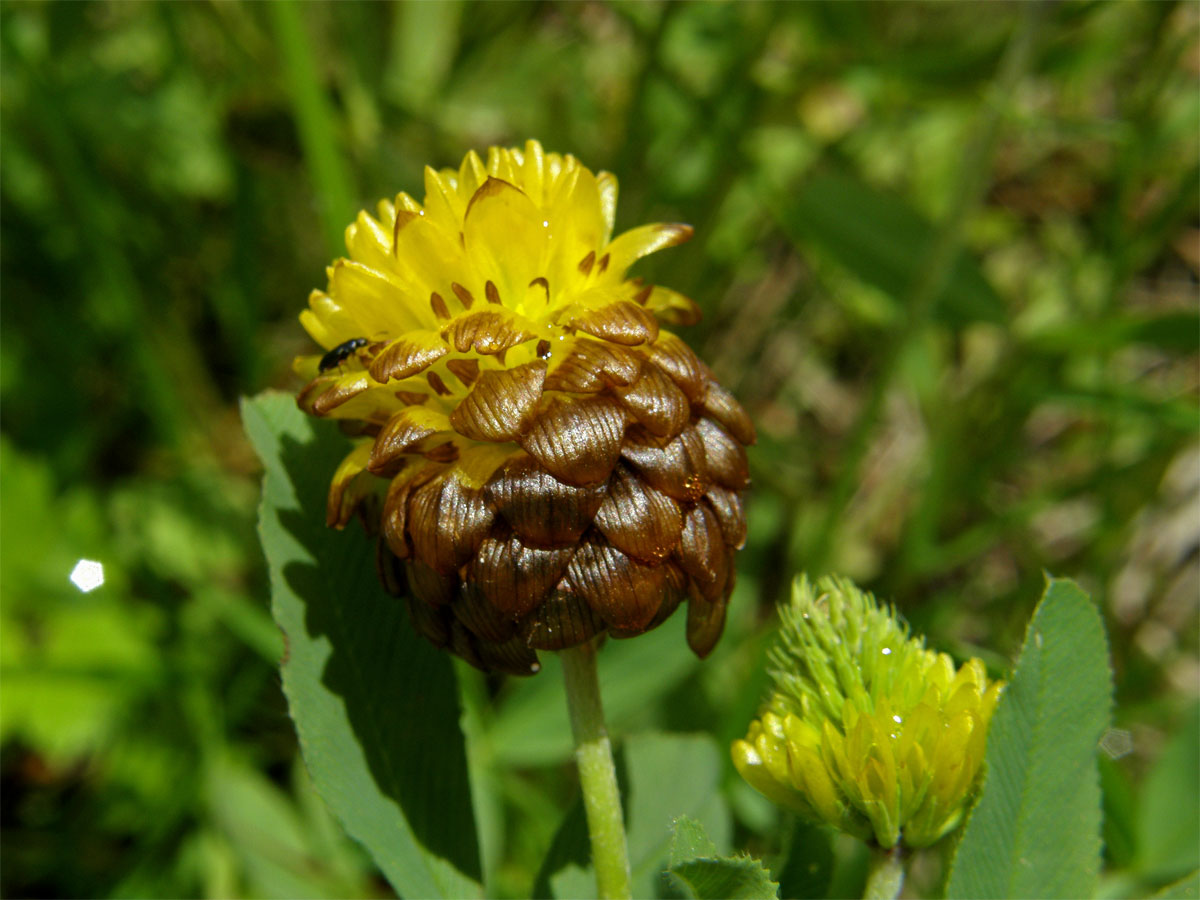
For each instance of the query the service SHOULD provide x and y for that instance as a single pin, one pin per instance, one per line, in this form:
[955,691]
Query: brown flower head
[551,464]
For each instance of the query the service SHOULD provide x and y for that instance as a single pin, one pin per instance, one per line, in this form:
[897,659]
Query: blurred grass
[173,179]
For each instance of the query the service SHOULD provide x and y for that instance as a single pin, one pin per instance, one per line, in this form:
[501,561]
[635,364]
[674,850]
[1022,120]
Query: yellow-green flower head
[543,460]
[865,729]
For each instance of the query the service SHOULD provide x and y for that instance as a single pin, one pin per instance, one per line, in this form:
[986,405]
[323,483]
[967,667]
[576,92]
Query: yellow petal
[375,300]
[350,483]
[672,307]
[628,248]
[443,204]
[505,239]
[606,185]
[369,242]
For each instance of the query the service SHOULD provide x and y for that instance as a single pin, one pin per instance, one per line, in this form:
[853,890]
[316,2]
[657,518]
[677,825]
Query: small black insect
[339,354]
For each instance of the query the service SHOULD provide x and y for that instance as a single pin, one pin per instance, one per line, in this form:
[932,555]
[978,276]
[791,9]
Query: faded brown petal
[402,432]
[464,644]
[622,322]
[487,331]
[656,402]
[637,519]
[544,511]
[501,404]
[350,485]
[428,585]
[446,522]
[624,592]
[430,623]
[389,568]
[472,608]
[564,620]
[727,505]
[465,370]
[721,406]
[408,355]
[395,506]
[675,591]
[676,358]
[512,657]
[590,366]
[515,578]
[321,401]
[678,469]
[577,441]
[705,622]
[726,457]
[411,398]
[701,551]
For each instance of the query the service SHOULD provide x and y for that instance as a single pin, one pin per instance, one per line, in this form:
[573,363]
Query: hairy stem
[597,775]
[885,875]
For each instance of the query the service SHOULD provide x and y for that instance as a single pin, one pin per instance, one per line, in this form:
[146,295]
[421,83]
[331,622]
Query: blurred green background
[948,259]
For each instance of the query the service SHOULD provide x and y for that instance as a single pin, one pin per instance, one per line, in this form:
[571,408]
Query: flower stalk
[885,874]
[597,774]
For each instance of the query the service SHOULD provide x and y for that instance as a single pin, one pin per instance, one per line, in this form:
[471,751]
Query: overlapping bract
[865,729]
[552,464]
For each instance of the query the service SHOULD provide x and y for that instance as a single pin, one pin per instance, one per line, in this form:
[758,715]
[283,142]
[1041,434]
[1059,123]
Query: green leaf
[1169,830]
[1036,829]
[663,776]
[808,870]
[1186,888]
[689,841]
[697,870]
[375,707]
[883,241]
[1175,331]
[700,872]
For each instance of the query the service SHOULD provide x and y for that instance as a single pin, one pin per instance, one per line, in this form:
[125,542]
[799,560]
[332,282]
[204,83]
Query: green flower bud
[865,729]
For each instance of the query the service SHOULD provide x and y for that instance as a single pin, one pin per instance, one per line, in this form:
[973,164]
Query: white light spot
[1117,742]
[87,575]
[886,651]
[897,720]
[545,223]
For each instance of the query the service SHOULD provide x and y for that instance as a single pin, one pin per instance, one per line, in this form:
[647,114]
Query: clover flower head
[865,729]
[544,462]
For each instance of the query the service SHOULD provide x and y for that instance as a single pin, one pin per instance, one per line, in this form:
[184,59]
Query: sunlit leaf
[1036,829]
[375,707]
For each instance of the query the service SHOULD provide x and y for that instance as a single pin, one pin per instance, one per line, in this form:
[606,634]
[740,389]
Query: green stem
[885,875]
[597,775]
